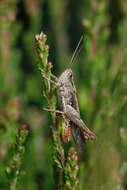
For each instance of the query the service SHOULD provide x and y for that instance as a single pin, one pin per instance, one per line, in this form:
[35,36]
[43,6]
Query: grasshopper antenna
[76,52]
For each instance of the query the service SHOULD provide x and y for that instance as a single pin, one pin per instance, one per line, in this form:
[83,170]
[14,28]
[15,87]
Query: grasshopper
[70,108]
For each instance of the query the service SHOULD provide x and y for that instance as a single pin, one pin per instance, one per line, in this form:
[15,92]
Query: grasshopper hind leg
[74,116]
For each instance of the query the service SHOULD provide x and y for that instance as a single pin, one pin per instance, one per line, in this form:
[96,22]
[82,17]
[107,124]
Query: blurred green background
[100,74]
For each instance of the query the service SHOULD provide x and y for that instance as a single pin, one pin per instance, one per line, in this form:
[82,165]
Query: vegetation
[32,153]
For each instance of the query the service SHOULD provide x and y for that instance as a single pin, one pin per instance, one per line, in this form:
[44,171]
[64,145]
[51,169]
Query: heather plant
[13,170]
[65,169]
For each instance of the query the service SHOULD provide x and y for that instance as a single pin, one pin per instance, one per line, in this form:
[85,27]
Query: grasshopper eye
[70,74]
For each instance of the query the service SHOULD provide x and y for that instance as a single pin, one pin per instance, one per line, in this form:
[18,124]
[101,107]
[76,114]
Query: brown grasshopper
[70,108]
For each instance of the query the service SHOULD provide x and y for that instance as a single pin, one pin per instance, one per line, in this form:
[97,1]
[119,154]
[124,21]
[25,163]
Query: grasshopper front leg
[52,110]
[74,116]
[50,80]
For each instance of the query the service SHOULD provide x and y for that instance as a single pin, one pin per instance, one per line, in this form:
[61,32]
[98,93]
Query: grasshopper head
[65,77]
[68,74]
